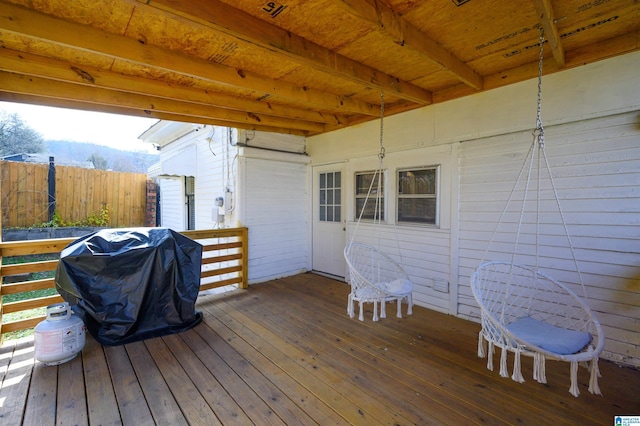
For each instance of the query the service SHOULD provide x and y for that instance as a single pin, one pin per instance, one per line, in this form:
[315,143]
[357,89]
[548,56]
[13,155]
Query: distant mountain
[65,152]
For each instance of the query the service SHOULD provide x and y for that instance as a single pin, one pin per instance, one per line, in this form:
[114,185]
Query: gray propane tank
[60,337]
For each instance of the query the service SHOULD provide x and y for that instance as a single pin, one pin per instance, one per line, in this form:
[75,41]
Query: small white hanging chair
[376,278]
[527,312]
[373,275]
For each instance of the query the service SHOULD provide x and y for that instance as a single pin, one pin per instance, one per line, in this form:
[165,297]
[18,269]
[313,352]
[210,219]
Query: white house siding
[273,205]
[596,169]
[214,164]
[591,118]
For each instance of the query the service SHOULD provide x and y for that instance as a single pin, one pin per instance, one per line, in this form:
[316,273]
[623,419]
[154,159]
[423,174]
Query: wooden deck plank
[71,406]
[310,403]
[101,397]
[201,340]
[162,405]
[41,403]
[131,400]
[223,404]
[281,410]
[192,405]
[382,360]
[550,398]
[455,348]
[6,353]
[15,384]
[379,344]
[306,400]
[381,375]
[266,341]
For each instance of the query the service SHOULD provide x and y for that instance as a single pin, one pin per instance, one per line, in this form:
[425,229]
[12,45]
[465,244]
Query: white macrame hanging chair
[527,312]
[374,276]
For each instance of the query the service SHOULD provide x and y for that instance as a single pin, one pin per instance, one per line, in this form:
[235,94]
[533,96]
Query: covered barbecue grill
[132,284]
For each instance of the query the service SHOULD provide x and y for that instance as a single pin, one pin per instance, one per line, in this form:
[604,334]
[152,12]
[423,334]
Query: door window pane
[330,196]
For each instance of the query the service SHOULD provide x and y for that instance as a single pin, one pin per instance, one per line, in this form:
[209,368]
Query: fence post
[52,188]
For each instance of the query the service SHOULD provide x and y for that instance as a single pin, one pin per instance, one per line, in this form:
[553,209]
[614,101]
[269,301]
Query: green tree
[17,137]
[99,162]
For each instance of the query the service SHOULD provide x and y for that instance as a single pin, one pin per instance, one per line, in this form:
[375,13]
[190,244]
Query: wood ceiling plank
[547,20]
[25,63]
[73,104]
[249,29]
[615,46]
[30,23]
[383,18]
[10,82]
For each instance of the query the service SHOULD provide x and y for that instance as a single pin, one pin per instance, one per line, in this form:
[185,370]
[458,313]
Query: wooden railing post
[245,258]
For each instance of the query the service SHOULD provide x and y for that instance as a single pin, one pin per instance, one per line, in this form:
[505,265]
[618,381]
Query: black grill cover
[132,284]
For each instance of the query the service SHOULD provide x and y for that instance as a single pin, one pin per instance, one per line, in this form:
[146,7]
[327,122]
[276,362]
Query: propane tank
[60,336]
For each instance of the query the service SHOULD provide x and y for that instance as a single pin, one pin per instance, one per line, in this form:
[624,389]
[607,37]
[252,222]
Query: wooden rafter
[85,106]
[383,18]
[227,20]
[547,20]
[33,65]
[44,27]
[29,85]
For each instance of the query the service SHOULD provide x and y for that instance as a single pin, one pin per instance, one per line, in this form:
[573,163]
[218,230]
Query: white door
[328,219]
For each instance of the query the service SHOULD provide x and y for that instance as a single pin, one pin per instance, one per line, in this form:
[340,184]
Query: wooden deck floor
[285,352]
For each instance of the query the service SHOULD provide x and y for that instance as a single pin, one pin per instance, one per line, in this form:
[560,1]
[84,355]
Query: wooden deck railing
[224,262]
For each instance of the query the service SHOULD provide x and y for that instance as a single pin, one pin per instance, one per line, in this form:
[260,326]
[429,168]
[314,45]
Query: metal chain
[539,130]
[382,150]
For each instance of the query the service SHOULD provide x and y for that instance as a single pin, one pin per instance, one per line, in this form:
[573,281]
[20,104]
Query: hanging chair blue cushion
[549,337]
[399,287]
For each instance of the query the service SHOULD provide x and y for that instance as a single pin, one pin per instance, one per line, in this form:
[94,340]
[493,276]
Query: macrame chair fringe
[573,389]
[517,368]
[503,363]
[539,370]
[481,351]
[490,357]
[593,379]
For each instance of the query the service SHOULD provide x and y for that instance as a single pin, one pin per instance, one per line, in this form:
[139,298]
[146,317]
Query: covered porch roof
[300,67]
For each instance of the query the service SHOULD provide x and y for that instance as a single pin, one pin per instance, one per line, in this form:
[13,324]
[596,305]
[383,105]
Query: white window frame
[424,196]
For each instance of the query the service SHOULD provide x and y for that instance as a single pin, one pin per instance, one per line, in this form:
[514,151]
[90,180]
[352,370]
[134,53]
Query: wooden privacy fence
[224,262]
[79,193]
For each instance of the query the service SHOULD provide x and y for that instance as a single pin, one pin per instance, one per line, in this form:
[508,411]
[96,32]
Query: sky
[117,131]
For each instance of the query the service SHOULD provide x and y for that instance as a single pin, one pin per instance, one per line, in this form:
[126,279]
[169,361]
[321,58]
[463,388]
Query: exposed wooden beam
[225,19]
[547,20]
[39,66]
[28,85]
[384,19]
[29,23]
[72,104]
